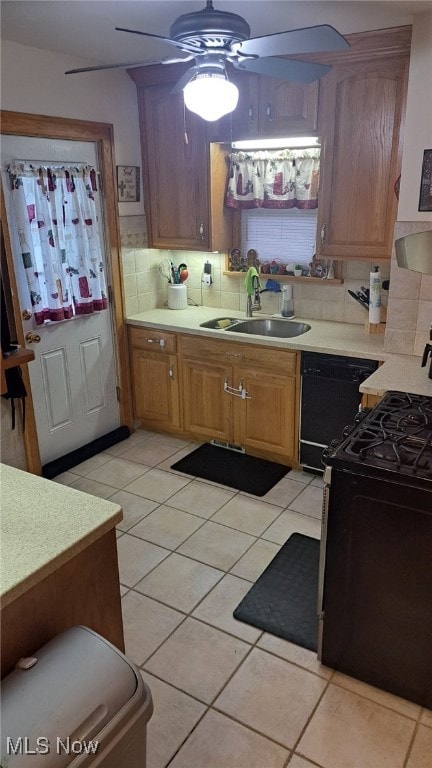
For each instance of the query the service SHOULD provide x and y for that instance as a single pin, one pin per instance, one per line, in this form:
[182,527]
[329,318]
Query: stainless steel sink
[220,323]
[285,329]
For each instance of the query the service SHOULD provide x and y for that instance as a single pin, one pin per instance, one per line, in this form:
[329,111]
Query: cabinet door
[286,108]
[207,408]
[265,420]
[177,171]
[362,109]
[269,107]
[155,388]
[246,114]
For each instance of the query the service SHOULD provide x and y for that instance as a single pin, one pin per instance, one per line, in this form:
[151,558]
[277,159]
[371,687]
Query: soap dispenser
[286,301]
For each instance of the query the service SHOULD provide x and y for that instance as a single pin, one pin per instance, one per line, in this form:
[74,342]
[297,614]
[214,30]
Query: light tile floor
[227,695]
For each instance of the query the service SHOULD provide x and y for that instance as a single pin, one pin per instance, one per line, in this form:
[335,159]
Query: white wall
[33,81]
[418,125]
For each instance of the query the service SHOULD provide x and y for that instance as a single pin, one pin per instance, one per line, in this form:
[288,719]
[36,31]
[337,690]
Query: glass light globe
[211,96]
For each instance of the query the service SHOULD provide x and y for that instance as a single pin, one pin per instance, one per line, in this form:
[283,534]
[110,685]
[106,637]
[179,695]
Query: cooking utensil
[165,269]
[364,293]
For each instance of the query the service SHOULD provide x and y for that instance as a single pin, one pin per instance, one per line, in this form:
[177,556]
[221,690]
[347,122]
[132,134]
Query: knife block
[377,327]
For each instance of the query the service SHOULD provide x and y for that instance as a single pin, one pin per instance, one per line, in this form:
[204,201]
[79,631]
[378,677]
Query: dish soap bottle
[286,301]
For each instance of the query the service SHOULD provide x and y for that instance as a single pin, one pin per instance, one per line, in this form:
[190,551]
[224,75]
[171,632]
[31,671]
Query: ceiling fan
[212,37]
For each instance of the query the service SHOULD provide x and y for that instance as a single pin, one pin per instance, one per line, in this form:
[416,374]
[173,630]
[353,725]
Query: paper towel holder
[415,252]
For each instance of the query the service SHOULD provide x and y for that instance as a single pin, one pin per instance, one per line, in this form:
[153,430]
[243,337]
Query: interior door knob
[26,314]
[32,338]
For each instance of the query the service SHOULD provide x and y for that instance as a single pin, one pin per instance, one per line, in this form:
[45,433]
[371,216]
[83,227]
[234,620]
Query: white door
[73,377]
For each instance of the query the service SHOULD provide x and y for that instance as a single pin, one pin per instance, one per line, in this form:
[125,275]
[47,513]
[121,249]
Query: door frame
[102,134]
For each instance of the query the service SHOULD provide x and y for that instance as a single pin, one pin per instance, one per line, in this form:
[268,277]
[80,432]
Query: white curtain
[281,179]
[60,244]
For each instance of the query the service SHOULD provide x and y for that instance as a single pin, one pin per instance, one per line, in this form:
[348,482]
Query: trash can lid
[56,706]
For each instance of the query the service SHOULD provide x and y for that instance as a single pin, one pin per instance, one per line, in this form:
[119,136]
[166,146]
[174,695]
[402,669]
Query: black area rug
[221,465]
[284,599]
[69,460]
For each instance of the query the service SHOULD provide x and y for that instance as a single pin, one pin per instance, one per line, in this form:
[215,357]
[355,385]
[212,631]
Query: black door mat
[221,465]
[69,460]
[283,601]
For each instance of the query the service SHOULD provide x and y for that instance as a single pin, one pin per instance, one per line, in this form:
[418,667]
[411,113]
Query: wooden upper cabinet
[185,177]
[362,110]
[272,107]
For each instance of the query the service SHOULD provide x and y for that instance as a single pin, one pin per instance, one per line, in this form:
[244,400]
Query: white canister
[177,296]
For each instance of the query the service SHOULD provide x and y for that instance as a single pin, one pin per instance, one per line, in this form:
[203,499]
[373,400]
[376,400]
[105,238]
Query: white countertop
[43,525]
[324,335]
[402,373]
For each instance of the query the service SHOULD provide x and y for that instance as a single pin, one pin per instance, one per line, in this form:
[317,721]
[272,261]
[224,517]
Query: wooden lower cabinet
[155,381]
[241,394]
[207,410]
[155,389]
[266,421]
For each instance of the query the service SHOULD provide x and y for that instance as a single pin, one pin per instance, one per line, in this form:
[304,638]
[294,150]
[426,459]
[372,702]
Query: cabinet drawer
[152,339]
[278,360]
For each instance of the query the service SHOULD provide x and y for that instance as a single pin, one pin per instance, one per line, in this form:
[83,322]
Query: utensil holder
[177,296]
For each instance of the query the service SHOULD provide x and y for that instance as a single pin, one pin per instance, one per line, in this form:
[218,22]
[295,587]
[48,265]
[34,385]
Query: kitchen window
[287,236]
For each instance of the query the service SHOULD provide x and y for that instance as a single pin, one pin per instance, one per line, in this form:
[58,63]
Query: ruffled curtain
[282,179]
[60,245]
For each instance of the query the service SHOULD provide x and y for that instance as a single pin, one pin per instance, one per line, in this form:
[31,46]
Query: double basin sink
[279,328]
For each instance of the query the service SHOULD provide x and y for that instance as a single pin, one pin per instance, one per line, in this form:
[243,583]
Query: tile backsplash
[409,315]
[145,288]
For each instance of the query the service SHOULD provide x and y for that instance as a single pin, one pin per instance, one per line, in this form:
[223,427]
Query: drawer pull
[161,342]
[237,355]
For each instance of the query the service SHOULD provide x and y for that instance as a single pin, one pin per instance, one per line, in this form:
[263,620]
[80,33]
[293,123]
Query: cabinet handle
[201,230]
[323,233]
[161,342]
[238,355]
[251,113]
[171,372]
[269,113]
[243,392]
[239,392]
[231,390]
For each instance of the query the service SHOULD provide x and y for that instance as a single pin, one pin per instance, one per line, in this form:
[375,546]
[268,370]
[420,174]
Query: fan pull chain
[185,134]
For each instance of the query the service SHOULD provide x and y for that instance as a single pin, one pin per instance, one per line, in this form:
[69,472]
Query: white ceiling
[85,28]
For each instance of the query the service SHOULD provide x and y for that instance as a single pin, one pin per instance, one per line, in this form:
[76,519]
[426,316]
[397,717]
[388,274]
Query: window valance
[281,179]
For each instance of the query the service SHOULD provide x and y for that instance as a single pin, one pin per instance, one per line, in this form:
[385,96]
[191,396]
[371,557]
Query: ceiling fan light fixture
[211,96]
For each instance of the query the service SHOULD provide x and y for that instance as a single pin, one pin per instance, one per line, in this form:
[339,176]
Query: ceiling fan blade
[306,40]
[180,84]
[183,46]
[286,69]
[126,64]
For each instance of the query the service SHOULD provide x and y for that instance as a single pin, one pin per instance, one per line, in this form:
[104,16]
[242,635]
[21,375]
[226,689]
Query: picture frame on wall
[425,201]
[128,184]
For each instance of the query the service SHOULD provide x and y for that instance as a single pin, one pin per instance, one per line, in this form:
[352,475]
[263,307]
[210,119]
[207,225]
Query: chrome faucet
[253,302]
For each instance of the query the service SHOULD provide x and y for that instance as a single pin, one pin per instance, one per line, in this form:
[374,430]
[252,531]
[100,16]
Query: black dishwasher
[330,400]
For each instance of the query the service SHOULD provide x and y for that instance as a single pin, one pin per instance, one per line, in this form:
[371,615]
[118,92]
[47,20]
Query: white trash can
[81,703]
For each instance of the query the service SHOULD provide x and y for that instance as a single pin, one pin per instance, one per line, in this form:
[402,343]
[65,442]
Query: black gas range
[375,590]
[395,436]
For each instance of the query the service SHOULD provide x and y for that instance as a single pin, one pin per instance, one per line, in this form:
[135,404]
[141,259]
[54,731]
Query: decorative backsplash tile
[409,313]
[409,299]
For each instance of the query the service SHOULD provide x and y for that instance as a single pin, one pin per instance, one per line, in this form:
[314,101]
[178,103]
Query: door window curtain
[60,245]
[282,179]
